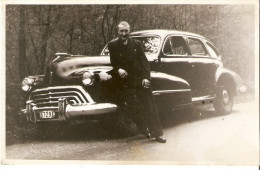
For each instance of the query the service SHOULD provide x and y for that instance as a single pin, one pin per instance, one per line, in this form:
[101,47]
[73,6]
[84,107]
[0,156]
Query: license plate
[47,114]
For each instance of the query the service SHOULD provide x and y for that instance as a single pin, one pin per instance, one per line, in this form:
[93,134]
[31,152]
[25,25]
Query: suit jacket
[130,57]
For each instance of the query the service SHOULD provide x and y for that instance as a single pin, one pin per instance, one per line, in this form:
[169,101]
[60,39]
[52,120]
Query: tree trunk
[45,37]
[22,44]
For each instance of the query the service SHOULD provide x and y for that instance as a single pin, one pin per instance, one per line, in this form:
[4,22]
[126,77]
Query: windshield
[150,44]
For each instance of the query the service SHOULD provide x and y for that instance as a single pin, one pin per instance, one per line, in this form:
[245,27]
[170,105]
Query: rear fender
[170,89]
[230,78]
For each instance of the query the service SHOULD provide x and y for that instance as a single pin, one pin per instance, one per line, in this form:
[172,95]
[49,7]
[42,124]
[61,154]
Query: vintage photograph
[132,83]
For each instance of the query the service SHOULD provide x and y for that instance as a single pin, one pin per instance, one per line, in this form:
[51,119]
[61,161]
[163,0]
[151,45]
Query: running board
[203,100]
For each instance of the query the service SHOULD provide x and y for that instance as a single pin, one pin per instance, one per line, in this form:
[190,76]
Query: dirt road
[202,137]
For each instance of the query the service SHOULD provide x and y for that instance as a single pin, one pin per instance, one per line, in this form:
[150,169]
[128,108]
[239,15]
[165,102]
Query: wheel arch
[230,78]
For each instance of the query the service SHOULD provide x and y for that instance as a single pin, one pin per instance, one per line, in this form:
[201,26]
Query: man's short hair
[123,23]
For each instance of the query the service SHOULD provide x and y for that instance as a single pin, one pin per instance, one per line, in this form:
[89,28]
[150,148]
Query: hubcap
[225,97]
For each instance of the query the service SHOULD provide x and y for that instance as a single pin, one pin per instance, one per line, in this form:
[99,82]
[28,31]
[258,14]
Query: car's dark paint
[202,73]
[177,80]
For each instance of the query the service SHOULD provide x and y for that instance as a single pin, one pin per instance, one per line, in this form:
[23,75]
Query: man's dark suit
[131,58]
[140,102]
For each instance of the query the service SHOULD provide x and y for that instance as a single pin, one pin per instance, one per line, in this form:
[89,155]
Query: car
[186,70]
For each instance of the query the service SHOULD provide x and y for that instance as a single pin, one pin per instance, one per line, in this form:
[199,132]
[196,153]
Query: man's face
[123,32]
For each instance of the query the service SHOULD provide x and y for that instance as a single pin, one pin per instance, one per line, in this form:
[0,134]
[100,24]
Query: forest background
[34,33]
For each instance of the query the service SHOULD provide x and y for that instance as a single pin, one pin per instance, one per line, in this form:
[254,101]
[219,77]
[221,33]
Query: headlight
[87,78]
[27,84]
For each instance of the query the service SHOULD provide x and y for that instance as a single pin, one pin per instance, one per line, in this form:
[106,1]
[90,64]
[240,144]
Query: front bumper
[65,111]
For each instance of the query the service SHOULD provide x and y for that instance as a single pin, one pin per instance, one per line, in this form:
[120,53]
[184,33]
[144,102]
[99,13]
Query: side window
[175,45]
[196,47]
[212,50]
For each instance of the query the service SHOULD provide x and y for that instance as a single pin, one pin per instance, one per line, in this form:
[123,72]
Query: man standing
[132,71]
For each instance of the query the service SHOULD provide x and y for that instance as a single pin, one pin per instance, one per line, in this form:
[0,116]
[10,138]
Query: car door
[174,59]
[203,68]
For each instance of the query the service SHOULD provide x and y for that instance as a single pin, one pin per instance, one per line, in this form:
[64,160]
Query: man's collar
[124,42]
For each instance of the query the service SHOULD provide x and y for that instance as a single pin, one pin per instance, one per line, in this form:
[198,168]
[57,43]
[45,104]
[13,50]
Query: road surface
[203,137]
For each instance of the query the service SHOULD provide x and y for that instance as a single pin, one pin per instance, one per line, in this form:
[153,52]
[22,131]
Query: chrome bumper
[242,89]
[66,111]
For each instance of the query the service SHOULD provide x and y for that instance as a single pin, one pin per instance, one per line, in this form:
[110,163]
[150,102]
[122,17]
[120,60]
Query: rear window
[197,48]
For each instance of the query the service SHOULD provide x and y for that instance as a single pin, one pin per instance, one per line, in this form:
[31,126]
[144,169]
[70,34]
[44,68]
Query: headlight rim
[89,77]
[27,82]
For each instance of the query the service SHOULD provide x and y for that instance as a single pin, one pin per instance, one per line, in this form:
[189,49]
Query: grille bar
[50,93]
[46,103]
[56,98]
[48,97]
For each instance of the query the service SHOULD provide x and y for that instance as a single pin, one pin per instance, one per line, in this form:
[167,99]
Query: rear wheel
[224,102]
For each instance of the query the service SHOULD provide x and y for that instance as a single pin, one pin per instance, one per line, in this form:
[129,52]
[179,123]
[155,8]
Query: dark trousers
[142,108]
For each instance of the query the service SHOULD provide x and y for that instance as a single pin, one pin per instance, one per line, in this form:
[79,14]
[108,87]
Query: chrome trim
[74,102]
[28,109]
[93,109]
[46,94]
[66,111]
[66,54]
[39,99]
[242,89]
[202,98]
[51,76]
[33,114]
[86,94]
[91,78]
[52,102]
[45,108]
[159,92]
[62,102]
[225,97]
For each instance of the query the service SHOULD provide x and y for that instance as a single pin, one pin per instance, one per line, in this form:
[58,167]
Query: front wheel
[224,102]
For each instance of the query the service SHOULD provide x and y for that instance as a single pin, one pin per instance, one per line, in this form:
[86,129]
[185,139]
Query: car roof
[164,32]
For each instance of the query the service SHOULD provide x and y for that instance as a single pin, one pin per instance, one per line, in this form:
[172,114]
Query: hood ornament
[51,74]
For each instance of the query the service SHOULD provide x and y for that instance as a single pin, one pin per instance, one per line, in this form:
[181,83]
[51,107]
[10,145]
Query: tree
[22,43]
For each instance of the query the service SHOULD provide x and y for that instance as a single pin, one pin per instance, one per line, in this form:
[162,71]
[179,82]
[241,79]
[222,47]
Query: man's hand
[122,73]
[104,76]
[146,83]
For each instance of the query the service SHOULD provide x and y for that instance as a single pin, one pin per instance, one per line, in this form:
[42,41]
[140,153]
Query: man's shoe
[160,139]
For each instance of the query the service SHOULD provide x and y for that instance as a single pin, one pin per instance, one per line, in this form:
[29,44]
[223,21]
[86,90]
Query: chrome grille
[48,97]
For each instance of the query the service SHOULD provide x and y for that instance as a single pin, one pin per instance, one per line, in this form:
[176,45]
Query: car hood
[75,66]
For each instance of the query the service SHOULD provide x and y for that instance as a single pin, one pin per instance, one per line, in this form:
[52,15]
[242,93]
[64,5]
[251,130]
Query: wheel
[224,103]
